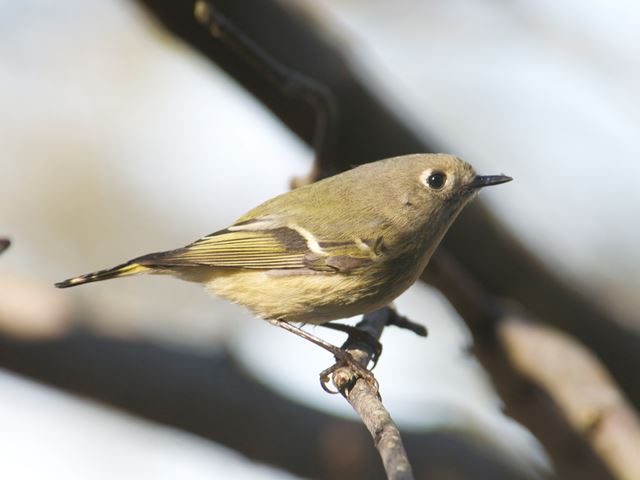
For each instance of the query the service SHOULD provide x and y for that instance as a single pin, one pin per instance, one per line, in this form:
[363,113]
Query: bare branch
[513,357]
[365,400]
[383,430]
[212,396]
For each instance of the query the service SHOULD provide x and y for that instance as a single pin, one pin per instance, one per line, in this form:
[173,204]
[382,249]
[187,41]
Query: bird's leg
[343,358]
[357,335]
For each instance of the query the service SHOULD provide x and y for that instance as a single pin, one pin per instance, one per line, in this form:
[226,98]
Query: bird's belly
[304,296]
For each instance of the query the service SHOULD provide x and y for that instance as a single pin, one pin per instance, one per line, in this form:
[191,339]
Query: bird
[342,246]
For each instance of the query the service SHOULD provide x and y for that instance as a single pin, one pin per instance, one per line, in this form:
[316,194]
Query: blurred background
[119,139]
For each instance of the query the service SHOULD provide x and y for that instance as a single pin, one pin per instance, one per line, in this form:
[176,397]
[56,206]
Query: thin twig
[366,401]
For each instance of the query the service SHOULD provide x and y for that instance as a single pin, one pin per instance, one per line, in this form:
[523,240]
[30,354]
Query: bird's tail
[122,270]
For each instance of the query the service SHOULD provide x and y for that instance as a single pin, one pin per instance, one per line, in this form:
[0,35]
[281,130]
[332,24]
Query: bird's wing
[279,247]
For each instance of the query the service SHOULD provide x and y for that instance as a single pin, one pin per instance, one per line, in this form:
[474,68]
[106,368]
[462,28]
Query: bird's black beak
[487,180]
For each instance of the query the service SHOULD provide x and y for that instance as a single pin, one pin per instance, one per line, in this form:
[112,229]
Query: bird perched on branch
[343,246]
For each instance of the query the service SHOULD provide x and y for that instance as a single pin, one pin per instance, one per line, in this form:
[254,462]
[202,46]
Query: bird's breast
[308,296]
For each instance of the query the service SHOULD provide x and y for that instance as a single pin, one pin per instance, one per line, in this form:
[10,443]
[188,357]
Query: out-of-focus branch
[212,396]
[580,387]
[364,398]
[4,244]
[522,366]
[368,129]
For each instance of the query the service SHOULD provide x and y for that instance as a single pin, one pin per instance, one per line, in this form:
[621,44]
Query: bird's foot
[358,336]
[344,380]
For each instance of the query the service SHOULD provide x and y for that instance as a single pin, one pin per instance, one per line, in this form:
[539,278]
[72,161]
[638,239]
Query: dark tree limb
[579,386]
[368,129]
[529,402]
[214,397]
[287,81]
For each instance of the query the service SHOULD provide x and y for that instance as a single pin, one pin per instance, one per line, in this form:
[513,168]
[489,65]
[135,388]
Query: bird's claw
[345,360]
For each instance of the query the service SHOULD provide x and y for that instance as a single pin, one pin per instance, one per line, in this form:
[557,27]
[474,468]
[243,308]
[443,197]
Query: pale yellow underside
[294,297]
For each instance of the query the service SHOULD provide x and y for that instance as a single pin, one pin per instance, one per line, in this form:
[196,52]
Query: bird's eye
[436,180]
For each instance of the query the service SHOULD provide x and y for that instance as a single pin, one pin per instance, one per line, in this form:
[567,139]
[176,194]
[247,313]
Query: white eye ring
[434,179]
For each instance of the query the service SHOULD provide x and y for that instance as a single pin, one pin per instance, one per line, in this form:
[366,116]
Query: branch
[364,398]
[517,362]
[289,82]
[4,244]
[581,388]
[212,396]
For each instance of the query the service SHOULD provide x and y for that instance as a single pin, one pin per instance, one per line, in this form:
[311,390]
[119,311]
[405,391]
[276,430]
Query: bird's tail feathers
[122,270]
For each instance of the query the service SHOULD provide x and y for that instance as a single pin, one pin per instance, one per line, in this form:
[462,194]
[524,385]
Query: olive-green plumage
[342,246]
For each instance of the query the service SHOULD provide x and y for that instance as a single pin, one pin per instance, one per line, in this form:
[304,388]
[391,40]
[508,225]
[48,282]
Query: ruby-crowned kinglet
[343,246]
